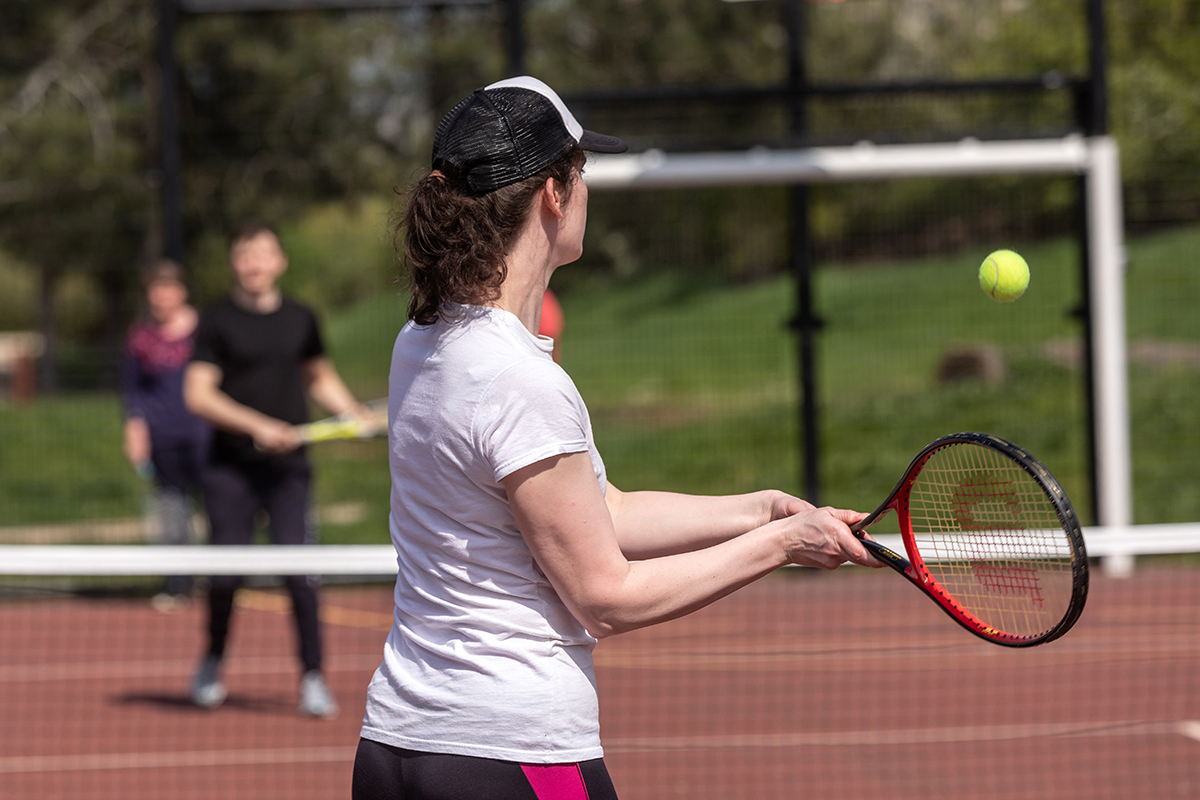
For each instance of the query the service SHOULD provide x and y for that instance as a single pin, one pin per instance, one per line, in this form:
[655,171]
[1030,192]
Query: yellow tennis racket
[370,422]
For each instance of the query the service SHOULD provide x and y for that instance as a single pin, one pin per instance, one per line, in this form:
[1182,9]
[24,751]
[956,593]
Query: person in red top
[552,323]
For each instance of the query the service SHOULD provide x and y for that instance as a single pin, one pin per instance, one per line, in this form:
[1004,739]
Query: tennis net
[840,685]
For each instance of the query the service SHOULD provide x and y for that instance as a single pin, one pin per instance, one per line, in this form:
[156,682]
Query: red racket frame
[918,573]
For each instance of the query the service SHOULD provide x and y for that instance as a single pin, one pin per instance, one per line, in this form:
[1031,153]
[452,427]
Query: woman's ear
[553,197]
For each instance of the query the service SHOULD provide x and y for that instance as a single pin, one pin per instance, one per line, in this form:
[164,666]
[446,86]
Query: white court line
[117,670]
[877,738]
[187,758]
[212,758]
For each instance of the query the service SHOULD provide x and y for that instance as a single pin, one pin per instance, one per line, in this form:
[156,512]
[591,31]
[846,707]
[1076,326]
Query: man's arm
[204,398]
[326,387]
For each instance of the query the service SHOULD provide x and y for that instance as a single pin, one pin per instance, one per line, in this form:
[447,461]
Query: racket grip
[886,555]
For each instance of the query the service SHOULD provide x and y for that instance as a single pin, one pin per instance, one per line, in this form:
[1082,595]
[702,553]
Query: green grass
[61,461]
[692,387]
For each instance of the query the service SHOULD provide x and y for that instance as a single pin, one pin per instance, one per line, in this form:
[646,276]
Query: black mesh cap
[510,131]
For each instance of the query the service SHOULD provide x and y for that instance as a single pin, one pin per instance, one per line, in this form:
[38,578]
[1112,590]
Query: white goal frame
[1096,158]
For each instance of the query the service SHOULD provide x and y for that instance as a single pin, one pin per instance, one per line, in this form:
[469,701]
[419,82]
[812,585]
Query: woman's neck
[529,269]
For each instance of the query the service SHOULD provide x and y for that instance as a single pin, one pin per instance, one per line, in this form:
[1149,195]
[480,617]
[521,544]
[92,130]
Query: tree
[280,112]
[285,111]
[73,119]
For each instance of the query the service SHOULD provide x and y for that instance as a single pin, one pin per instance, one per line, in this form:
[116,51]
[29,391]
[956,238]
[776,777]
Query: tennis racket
[991,537]
[370,422]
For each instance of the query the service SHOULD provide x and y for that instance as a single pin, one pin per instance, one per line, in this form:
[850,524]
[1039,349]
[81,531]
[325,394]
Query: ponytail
[456,241]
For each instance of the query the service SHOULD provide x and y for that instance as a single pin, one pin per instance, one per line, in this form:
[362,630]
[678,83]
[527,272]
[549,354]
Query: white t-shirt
[483,658]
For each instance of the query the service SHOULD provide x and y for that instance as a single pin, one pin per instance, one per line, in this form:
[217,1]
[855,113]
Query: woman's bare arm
[567,525]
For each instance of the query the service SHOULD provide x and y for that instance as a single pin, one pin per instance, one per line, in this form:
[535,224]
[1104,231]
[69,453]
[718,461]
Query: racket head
[992,537]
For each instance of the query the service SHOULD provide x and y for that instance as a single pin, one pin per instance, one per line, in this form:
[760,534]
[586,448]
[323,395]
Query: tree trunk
[47,325]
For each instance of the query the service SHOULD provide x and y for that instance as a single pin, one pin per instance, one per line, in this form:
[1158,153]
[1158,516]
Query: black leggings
[233,496]
[383,772]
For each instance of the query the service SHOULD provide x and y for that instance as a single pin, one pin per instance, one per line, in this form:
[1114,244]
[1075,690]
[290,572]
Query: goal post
[1095,158]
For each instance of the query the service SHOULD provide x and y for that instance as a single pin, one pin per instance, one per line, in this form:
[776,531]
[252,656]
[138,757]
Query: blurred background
[678,317]
[684,325]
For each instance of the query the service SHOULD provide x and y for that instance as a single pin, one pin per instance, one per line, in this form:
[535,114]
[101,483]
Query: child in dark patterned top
[164,441]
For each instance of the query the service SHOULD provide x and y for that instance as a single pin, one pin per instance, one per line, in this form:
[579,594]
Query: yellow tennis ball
[1004,275]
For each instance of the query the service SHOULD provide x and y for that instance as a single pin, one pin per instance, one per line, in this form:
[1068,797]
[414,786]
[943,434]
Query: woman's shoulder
[533,383]
[498,338]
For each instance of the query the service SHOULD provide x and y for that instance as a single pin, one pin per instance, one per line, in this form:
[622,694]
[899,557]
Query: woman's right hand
[821,537]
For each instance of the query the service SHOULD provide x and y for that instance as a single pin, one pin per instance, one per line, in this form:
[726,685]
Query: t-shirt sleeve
[131,392]
[208,342]
[531,412]
[313,346]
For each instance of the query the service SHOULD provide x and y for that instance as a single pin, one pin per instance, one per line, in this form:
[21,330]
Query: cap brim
[599,143]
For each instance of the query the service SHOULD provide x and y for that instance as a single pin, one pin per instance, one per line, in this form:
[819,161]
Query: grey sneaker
[315,698]
[207,689]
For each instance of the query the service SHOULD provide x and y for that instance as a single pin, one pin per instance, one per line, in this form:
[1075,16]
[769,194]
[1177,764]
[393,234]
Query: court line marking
[635,744]
[877,738]
[330,614]
[806,657]
[117,670]
[245,598]
[174,760]
[703,658]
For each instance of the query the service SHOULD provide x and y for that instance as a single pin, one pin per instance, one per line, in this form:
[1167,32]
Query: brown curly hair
[455,241]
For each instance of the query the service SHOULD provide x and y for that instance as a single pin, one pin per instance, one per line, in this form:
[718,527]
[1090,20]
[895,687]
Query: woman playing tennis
[515,553]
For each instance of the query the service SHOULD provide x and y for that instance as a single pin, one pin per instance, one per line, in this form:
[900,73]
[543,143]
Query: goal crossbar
[655,169]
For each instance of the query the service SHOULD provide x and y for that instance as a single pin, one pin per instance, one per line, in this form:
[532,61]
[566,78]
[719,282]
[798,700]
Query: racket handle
[886,555]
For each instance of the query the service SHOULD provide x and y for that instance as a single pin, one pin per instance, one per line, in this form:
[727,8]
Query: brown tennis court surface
[845,685]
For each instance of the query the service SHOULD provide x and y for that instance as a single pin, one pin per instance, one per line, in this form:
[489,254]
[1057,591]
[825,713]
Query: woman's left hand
[782,505]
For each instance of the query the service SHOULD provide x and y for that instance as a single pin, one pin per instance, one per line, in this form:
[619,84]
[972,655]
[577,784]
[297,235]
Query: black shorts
[383,772]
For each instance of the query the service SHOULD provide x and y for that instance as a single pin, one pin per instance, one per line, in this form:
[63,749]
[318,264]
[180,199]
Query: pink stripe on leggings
[556,781]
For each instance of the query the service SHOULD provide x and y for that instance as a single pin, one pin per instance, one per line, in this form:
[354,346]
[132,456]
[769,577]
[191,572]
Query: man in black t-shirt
[258,354]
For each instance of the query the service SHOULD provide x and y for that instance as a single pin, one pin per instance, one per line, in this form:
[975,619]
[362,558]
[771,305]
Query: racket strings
[991,537]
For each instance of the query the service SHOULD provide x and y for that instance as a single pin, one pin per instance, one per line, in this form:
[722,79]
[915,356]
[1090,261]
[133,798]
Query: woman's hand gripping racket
[369,422]
[991,537]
